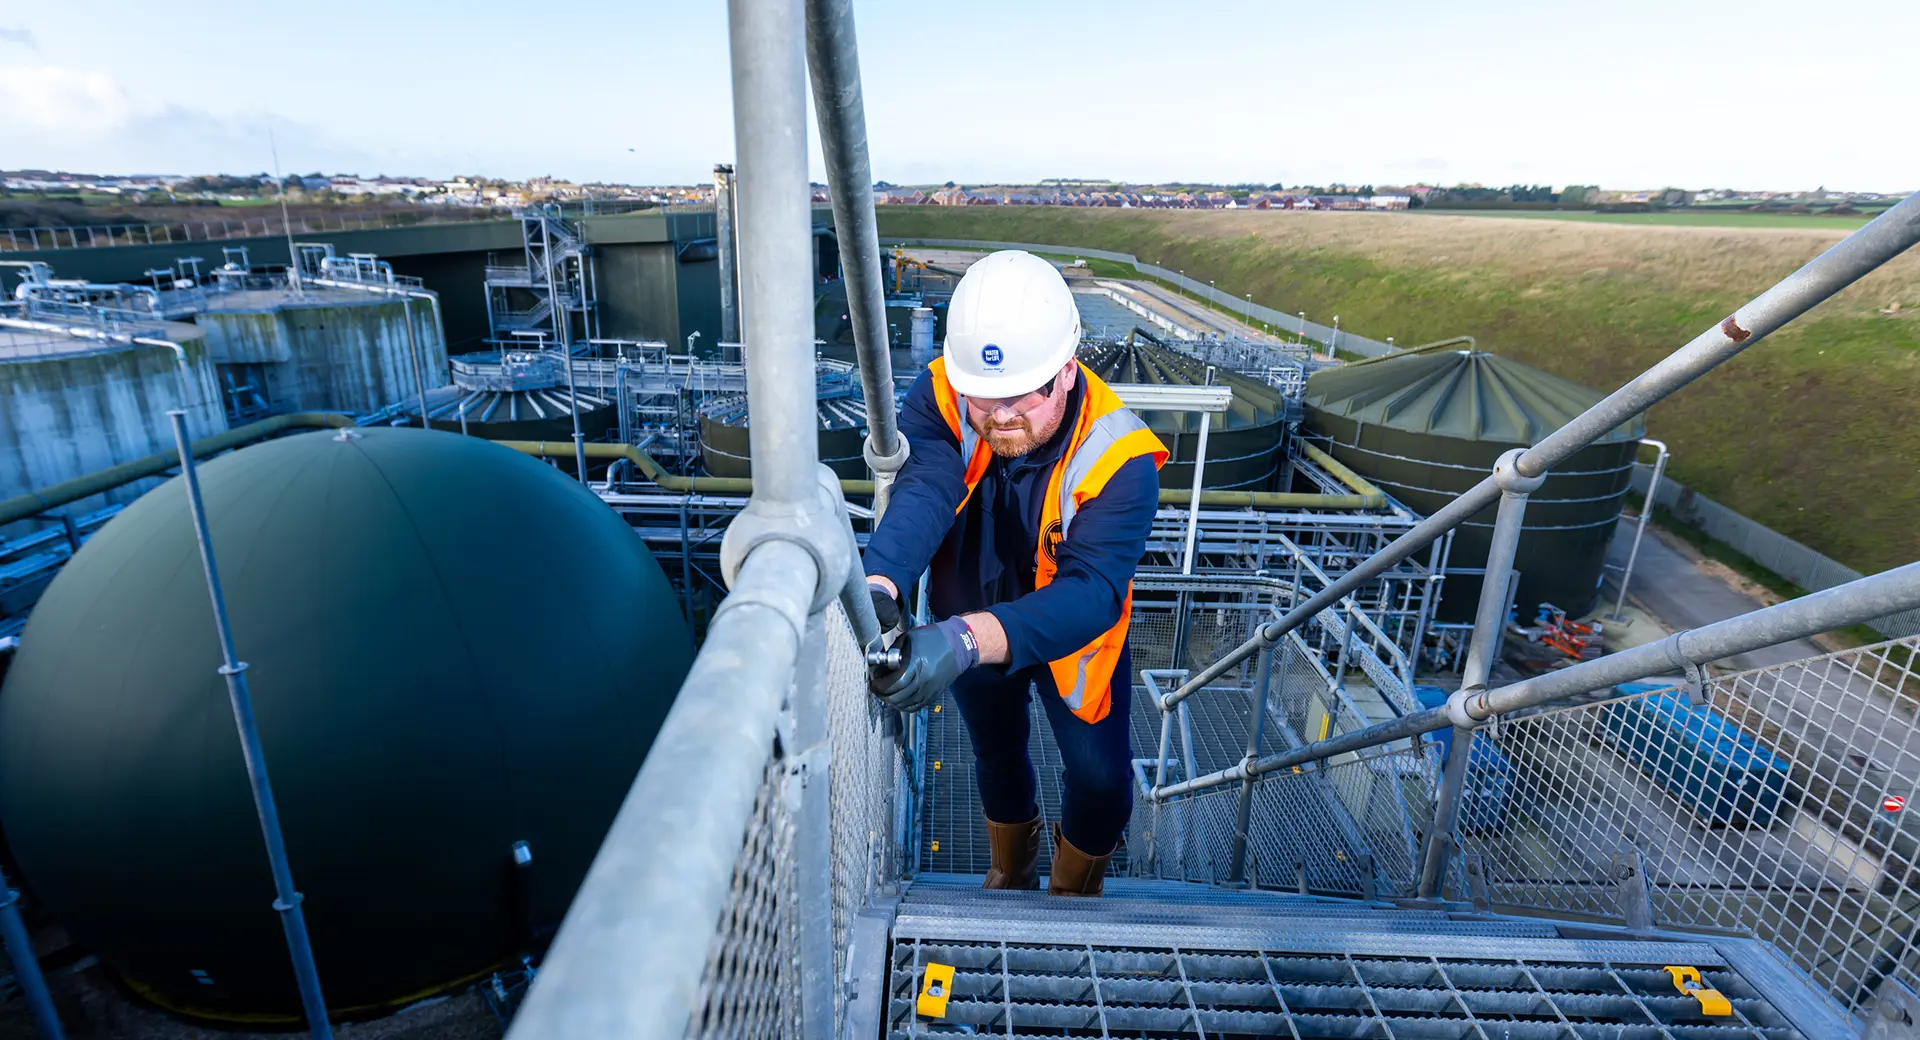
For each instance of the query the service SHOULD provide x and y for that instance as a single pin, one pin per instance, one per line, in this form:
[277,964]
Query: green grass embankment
[1814,431]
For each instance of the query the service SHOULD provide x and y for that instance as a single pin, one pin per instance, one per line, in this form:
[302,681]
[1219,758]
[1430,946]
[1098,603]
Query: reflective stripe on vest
[1105,436]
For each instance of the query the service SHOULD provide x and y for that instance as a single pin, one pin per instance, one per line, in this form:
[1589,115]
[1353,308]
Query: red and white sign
[1893,803]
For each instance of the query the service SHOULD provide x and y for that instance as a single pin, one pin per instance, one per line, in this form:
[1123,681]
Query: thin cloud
[21,35]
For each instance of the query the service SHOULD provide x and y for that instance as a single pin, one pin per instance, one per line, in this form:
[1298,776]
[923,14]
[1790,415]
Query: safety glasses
[1022,404]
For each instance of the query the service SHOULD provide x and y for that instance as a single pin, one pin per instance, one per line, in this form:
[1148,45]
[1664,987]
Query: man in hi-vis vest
[1028,496]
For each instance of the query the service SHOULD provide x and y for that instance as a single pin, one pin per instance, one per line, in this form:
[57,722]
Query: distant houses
[1127,199]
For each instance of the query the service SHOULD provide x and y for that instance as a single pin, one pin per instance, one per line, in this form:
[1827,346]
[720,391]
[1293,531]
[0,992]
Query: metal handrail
[1876,596]
[1885,237]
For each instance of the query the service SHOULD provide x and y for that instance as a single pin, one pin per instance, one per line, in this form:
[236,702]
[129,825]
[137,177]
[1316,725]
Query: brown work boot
[1016,849]
[1074,872]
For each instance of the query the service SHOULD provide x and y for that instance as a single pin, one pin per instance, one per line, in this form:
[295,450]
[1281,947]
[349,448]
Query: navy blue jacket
[983,558]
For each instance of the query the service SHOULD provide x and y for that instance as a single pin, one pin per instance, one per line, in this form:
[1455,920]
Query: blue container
[1489,790]
[1721,773]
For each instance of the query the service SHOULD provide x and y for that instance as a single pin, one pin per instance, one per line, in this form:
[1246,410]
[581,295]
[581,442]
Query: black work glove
[931,658]
[885,607]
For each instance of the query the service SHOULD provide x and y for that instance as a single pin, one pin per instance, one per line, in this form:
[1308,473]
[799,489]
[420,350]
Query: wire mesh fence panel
[866,780]
[1770,802]
[750,989]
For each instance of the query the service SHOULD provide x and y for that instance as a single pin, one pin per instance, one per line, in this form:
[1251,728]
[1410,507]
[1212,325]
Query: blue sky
[1693,93]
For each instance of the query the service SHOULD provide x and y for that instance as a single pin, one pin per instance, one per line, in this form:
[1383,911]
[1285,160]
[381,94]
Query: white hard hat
[1011,326]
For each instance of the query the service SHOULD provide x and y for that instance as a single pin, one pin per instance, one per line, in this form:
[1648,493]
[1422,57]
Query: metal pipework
[1489,632]
[33,503]
[1876,596]
[1640,528]
[723,242]
[833,57]
[286,898]
[1885,237]
[26,968]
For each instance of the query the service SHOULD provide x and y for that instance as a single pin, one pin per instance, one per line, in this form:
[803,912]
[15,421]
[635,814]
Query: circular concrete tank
[452,648]
[1428,426]
[725,446]
[325,349]
[70,407]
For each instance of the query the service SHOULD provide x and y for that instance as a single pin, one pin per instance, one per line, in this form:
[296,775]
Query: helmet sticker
[991,355]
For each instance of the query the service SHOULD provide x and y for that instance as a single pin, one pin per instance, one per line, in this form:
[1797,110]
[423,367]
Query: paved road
[1675,591]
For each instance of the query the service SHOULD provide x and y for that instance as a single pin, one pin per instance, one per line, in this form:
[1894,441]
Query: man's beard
[1011,442]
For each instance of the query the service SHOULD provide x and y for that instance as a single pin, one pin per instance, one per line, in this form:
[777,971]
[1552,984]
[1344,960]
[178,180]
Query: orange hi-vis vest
[1104,437]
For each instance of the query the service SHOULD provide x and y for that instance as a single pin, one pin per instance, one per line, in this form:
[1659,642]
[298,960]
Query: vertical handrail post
[286,898]
[1489,631]
[26,968]
[1640,528]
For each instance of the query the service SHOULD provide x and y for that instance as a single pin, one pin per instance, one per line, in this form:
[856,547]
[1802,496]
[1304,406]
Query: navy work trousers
[1097,795]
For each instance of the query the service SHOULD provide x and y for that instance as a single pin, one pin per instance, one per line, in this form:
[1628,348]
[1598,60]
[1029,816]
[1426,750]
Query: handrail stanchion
[1489,630]
[1256,730]
[286,898]
[1640,528]
[26,968]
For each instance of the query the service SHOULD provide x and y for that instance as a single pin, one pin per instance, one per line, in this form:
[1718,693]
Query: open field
[1814,432]
[1687,218]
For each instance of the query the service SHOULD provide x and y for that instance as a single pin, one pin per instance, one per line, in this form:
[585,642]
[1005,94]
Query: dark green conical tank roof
[1467,394]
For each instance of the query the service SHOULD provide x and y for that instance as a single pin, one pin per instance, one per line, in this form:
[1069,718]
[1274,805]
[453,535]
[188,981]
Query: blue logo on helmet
[991,354]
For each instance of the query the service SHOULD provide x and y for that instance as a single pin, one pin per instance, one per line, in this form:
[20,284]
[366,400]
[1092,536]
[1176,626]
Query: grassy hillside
[1815,431]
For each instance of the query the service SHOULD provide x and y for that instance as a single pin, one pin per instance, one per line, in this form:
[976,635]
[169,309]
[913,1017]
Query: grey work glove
[885,608]
[932,657]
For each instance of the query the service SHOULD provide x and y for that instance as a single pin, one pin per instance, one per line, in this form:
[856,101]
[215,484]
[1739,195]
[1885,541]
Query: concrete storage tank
[514,396]
[1426,426]
[71,406]
[324,349]
[1245,446]
[452,648]
[725,447]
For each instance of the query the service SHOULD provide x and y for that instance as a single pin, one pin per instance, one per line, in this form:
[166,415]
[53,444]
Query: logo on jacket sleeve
[991,355]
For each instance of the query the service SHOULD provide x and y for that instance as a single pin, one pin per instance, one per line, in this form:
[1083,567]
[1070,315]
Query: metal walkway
[1166,959]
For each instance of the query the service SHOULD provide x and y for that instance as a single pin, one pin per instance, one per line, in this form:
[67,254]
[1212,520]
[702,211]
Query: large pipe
[724,252]
[1885,237]
[287,899]
[776,244]
[1889,592]
[33,503]
[833,56]
[652,470]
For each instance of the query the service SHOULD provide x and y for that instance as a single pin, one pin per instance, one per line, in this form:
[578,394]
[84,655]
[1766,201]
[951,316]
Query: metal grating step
[1544,991]
[953,833]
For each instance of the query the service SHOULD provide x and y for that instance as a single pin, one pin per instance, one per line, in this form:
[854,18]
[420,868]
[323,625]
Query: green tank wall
[1427,425]
[452,648]
[638,293]
[1245,445]
[725,450]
